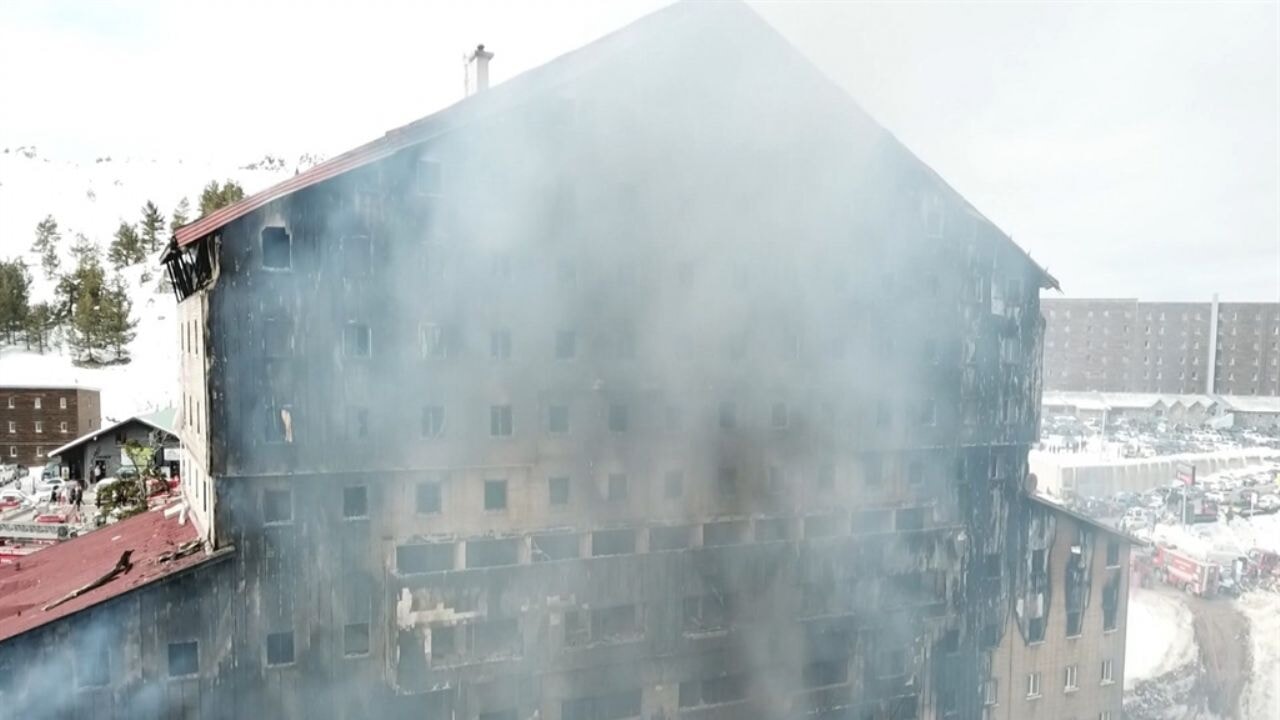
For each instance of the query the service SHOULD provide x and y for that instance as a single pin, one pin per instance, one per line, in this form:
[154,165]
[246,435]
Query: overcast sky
[1134,149]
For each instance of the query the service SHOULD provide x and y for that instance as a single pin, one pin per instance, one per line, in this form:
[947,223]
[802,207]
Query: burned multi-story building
[35,419]
[1062,652]
[658,381]
[1215,348]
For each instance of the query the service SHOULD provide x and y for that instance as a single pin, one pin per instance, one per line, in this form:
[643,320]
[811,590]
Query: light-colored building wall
[1016,659]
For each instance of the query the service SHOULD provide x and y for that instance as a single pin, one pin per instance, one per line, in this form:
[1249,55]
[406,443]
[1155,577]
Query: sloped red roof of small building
[29,584]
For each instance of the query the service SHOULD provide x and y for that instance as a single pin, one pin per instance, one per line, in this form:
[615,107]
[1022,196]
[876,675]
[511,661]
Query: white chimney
[477,70]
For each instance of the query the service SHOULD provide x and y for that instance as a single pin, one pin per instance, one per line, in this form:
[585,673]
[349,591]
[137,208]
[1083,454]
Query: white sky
[1132,148]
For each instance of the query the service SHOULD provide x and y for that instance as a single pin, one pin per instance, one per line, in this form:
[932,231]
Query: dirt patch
[1222,633]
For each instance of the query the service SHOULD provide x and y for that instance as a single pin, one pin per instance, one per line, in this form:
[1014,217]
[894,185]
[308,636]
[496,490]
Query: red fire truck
[1178,568]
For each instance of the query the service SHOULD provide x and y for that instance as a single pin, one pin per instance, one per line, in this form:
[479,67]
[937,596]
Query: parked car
[13,497]
[49,489]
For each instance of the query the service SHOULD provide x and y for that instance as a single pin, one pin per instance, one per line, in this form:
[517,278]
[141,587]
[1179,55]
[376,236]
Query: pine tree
[46,245]
[15,295]
[126,248]
[118,328]
[89,286]
[41,322]
[85,249]
[181,215]
[151,225]
[215,196]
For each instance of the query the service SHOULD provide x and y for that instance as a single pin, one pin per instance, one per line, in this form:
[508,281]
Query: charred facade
[658,382]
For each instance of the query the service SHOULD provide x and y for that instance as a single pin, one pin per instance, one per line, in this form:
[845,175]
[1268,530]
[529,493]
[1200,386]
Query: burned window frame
[275,240]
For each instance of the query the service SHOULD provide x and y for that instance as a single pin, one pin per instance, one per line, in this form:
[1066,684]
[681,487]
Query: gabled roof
[1251,403]
[49,575]
[161,420]
[1085,519]
[681,23]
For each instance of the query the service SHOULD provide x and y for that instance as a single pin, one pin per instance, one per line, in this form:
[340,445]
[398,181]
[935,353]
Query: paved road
[1222,633]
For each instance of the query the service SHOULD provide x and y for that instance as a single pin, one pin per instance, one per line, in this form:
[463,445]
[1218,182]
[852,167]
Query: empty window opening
[424,558]
[558,419]
[1113,554]
[355,502]
[727,482]
[557,546]
[277,506]
[433,421]
[492,553]
[1074,623]
[991,568]
[1038,562]
[1110,604]
[280,648]
[184,659]
[355,639]
[669,538]
[613,542]
[427,498]
[828,672]
[357,342]
[558,490]
[500,420]
[566,345]
[617,491]
[1035,630]
[276,248]
[618,420]
[495,494]
[706,613]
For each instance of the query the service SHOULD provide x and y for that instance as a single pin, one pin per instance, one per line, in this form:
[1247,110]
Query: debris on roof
[82,572]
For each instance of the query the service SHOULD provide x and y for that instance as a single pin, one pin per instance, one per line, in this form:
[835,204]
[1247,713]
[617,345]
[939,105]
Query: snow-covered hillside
[91,196]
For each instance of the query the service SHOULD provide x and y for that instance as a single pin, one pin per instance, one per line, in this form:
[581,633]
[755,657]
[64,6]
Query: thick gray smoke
[684,271]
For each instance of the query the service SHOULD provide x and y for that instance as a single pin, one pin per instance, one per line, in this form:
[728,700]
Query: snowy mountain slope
[91,196]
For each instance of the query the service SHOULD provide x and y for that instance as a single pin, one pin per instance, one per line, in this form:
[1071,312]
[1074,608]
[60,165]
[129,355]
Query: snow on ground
[1261,697]
[92,196]
[149,382]
[1217,539]
[1159,636]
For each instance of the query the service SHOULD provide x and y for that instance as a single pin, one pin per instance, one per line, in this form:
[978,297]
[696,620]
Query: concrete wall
[1064,476]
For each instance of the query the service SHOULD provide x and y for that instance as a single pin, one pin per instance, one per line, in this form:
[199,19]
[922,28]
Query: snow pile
[1218,539]
[1261,698]
[1159,636]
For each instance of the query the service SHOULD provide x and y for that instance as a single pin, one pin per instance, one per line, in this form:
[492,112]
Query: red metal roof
[30,583]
